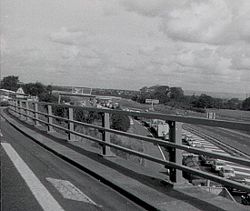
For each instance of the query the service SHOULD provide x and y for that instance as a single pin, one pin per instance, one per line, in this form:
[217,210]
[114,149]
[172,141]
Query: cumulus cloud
[64,36]
[131,43]
[200,21]
[211,21]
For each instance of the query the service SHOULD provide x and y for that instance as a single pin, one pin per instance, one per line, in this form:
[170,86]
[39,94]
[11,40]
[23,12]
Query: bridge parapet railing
[31,111]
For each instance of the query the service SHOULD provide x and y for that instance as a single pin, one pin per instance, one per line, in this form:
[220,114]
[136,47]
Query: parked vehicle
[227,172]
[245,199]
[217,165]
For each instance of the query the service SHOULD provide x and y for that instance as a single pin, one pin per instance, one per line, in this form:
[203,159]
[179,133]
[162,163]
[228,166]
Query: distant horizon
[240,95]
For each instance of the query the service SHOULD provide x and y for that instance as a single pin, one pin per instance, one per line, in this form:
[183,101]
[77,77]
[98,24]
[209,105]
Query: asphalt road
[232,138]
[30,172]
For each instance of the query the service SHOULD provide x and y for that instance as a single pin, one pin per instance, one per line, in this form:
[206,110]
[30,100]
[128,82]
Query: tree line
[171,96]
[43,92]
[174,97]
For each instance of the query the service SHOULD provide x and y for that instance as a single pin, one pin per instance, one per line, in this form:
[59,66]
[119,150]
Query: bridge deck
[129,180]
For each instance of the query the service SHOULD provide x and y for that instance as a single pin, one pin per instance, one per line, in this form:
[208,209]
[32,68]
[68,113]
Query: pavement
[36,179]
[148,189]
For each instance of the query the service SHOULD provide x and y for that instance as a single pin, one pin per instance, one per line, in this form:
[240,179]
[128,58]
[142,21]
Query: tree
[246,104]
[34,89]
[10,83]
[176,93]
[233,103]
[120,122]
[204,101]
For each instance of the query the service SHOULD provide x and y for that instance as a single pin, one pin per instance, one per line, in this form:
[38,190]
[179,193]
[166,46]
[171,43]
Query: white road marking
[42,195]
[1,135]
[69,191]
[239,167]
[241,173]
[218,150]
[211,147]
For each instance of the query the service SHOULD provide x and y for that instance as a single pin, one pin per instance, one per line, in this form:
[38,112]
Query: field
[223,114]
[237,115]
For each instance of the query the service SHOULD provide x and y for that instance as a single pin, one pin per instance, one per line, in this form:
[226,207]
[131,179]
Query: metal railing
[174,144]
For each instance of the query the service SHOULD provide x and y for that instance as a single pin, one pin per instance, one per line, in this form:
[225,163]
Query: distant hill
[224,95]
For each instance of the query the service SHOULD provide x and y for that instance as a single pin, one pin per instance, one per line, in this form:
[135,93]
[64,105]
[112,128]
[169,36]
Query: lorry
[161,128]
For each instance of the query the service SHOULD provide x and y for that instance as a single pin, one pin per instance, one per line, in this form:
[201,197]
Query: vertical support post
[36,114]
[59,99]
[50,119]
[94,102]
[15,104]
[20,110]
[106,135]
[175,155]
[71,136]
[27,112]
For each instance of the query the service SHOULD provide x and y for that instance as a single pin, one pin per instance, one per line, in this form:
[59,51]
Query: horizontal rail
[169,117]
[169,164]
[241,161]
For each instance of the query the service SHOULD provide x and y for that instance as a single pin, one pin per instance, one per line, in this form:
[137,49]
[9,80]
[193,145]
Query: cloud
[198,22]
[212,21]
[66,37]
[130,43]
[71,52]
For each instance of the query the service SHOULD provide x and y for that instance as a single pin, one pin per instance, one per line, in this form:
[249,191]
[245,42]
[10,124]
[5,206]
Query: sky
[128,44]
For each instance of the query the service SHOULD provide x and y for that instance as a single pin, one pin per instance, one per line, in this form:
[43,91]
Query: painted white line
[202,141]
[211,147]
[69,191]
[220,151]
[206,145]
[1,135]
[242,173]
[42,195]
[162,154]
[239,167]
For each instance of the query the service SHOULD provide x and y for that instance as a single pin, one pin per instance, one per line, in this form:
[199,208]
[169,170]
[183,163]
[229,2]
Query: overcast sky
[127,44]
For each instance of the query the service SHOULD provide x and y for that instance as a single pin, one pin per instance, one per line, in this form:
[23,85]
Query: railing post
[16,104]
[50,119]
[175,155]
[71,136]
[21,110]
[36,114]
[27,112]
[106,135]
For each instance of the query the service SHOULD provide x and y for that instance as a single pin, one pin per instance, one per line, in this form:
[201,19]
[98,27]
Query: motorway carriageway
[240,170]
[35,179]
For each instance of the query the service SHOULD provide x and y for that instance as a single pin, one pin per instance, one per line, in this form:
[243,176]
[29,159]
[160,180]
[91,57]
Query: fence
[30,111]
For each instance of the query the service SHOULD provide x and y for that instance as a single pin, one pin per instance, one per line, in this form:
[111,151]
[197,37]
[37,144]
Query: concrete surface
[146,190]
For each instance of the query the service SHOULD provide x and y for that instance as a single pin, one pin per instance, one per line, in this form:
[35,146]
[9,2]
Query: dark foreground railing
[30,111]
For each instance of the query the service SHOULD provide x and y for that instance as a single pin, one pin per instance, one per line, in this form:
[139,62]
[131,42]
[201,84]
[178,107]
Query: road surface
[34,179]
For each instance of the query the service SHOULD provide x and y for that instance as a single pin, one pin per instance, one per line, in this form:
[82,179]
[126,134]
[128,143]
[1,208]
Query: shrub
[120,122]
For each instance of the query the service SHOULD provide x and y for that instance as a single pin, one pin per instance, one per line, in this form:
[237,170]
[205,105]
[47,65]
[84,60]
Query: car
[206,160]
[239,180]
[227,172]
[195,144]
[217,165]
[245,199]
